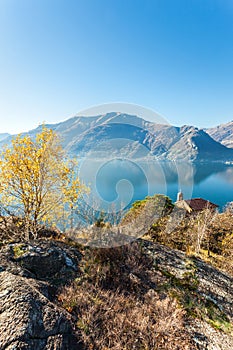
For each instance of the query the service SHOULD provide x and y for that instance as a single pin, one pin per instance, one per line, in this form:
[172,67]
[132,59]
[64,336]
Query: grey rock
[212,284]
[28,320]
[29,277]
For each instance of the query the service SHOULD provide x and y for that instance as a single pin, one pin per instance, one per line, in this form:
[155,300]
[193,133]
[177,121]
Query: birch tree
[36,180]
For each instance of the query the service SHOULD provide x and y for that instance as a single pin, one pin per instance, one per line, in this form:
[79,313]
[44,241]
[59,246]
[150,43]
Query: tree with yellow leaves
[71,191]
[36,180]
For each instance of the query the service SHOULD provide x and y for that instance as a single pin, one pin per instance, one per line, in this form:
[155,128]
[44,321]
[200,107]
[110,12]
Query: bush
[112,320]
[159,204]
[116,306]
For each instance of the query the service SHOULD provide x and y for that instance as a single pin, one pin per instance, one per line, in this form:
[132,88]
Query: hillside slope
[222,133]
[127,135]
[122,135]
[40,307]
[3,136]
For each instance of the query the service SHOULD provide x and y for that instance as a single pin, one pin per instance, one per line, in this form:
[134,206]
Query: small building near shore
[194,205]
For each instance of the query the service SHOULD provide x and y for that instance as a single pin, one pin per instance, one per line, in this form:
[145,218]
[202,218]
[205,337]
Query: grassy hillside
[157,292]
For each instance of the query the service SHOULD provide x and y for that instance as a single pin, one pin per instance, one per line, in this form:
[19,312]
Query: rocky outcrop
[28,320]
[203,282]
[31,274]
[29,317]
[43,260]
[211,283]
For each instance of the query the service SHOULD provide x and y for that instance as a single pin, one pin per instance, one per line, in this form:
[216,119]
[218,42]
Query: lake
[116,182]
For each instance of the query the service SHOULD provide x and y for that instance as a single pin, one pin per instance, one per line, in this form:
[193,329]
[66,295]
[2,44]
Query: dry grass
[12,229]
[114,320]
[214,238]
[116,307]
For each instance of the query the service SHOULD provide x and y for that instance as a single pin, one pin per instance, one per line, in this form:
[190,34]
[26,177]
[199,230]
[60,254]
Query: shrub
[116,305]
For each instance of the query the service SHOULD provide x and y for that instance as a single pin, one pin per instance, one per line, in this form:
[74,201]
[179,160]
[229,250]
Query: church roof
[197,204]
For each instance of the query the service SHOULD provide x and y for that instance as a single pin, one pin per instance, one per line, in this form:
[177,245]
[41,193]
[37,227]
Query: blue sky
[58,57]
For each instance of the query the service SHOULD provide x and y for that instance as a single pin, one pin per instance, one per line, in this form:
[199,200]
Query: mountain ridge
[125,135]
[3,136]
[222,133]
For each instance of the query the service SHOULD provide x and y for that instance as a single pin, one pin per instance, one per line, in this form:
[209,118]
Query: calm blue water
[120,182]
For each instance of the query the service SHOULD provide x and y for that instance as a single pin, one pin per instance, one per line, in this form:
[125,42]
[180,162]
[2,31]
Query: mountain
[163,141]
[118,134]
[3,136]
[222,133]
[123,135]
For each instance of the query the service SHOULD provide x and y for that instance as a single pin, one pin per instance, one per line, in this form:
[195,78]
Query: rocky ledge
[201,282]
[31,274]
[29,317]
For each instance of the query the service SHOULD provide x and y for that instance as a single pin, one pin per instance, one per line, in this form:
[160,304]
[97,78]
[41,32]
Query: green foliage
[18,250]
[101,220]
[162,206]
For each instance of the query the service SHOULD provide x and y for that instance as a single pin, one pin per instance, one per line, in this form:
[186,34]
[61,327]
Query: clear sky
[58,57]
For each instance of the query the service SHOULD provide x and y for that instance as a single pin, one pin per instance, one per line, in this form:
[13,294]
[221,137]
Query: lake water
[117,182]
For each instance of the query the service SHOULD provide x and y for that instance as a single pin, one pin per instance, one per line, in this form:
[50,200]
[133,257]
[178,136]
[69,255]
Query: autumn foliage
[37,182]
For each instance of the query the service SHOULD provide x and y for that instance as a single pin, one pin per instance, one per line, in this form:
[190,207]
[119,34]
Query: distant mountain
[163,141]
[117,134]
[222,133]
[3,136]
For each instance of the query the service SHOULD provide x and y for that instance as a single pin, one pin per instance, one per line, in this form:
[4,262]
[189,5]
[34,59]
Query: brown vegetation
[208,235]
[116,305]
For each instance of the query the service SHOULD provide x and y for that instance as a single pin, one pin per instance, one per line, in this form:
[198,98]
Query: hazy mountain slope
[7,140]
[118,134]
[195,144]
[222,133]
[137,138]
[72,129]
[3,136]
[113,139]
